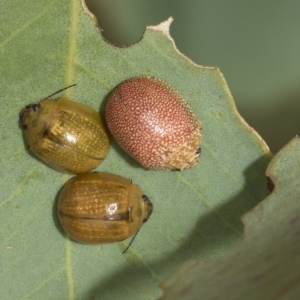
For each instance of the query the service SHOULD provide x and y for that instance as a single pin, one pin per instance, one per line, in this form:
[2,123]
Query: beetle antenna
[130,242]
[60,91]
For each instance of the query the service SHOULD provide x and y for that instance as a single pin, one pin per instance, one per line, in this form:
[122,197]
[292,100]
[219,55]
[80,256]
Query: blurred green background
[256,44]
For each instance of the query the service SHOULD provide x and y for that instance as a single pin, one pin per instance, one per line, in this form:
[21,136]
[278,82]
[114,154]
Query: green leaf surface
[266,265]
[46,45]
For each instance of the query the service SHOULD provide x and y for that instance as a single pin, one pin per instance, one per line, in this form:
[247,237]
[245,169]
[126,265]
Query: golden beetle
[154,124]
[102,208]
[66,135]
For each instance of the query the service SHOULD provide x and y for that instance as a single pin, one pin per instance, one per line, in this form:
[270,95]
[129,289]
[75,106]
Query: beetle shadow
[209,234]
[122,153]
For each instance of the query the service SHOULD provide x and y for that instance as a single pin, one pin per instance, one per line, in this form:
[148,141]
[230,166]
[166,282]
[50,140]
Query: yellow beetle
[102,208]
[66,135]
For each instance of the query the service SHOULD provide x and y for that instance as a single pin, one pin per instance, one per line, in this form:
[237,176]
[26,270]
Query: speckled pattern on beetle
[154,124]
[67,135]
[102,208]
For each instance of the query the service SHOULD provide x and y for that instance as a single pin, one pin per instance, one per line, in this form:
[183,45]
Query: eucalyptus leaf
[47,45]
[266,265]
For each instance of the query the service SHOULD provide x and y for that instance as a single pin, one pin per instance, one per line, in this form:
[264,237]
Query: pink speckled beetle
[154,124]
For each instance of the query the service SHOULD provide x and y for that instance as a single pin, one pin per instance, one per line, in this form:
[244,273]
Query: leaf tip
[164,27]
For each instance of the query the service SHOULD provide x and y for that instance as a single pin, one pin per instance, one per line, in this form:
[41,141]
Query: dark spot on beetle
[46,134]
[24,126]
[198,151]
[35,107]
[145,198]
[118,217]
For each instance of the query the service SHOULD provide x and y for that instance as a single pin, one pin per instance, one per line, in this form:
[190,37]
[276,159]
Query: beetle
[68,136]
[96,208]
[154,124]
